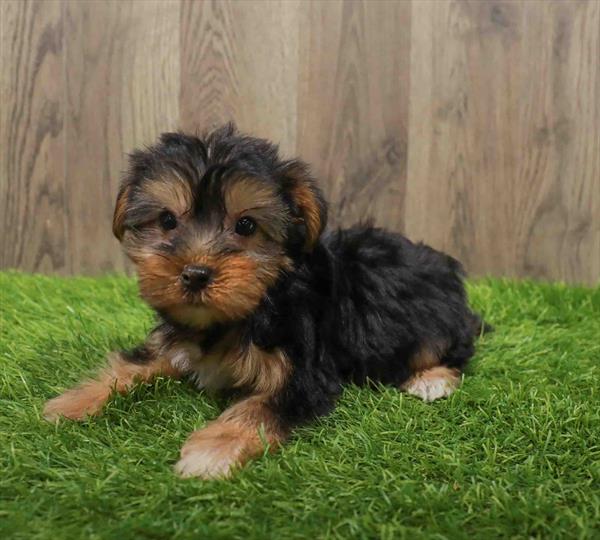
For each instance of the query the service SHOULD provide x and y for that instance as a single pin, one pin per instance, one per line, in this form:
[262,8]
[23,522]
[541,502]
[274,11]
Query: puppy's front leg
[121,373]
[241,433]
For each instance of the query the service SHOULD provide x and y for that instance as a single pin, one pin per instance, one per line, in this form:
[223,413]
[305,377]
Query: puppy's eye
[245,226]
[167,220]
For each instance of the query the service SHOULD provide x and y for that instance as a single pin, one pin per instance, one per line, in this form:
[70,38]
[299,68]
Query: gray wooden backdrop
[471,125]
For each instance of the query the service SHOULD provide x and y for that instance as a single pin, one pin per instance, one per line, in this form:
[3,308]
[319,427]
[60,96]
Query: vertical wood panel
[504,105]
[240,63]
[122,89]
[441,174]
[353,105]
[32,189]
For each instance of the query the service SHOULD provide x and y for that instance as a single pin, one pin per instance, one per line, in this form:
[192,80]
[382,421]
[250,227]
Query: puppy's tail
[479,326]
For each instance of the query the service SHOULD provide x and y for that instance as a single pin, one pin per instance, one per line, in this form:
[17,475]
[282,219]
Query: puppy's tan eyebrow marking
[255,208]
[249,194]
[171,192]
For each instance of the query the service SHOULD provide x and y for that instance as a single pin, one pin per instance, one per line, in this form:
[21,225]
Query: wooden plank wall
[471,125]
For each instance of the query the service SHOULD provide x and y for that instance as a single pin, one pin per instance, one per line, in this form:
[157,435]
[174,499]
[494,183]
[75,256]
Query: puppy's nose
[195,277]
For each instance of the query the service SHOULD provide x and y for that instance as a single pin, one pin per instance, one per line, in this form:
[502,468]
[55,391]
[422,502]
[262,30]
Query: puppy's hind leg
[430,380]
[433,383]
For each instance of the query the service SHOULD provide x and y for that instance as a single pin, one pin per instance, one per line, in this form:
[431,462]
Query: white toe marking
[432,384]
[205,464]
[430,390]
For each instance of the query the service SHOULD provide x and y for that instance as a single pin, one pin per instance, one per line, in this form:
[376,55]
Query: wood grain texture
[474,126]
[353,106]
[32,179]
[504,105]
[122,87]
[240,63]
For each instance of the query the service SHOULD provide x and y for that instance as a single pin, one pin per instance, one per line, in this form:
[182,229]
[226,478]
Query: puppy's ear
[308,201]
[118,225]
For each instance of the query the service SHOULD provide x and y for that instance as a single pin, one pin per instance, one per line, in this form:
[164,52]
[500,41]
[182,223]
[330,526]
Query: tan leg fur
[88,398]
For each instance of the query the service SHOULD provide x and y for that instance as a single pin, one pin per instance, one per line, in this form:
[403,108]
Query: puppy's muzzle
[195,278]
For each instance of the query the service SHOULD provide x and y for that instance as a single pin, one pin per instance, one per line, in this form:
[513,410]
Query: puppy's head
[211,223]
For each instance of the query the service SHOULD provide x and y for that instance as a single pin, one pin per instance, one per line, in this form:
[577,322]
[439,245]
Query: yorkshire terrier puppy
[251,295]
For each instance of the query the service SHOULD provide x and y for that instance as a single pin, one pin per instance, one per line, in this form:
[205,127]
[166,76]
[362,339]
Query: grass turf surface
[514,453]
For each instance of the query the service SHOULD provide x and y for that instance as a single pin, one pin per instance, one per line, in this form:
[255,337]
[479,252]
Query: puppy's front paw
[208,464]
[211,453]
[75,404]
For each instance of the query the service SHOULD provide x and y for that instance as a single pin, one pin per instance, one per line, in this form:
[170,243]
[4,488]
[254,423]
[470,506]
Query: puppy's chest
[229,364]
[210,369]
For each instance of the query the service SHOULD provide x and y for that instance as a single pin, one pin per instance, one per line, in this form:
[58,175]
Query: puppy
[251,295]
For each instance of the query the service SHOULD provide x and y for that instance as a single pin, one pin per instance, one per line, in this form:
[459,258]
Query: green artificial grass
[514,453]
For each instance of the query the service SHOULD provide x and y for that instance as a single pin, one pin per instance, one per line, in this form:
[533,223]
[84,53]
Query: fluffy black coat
[355,310]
